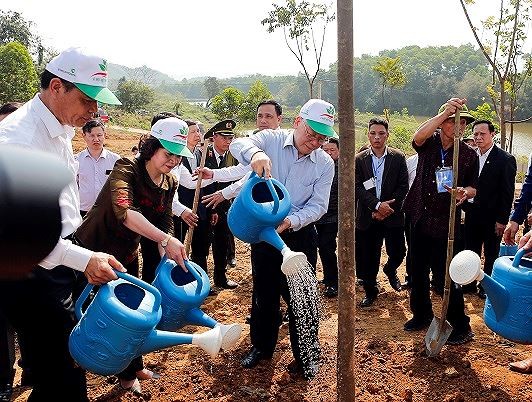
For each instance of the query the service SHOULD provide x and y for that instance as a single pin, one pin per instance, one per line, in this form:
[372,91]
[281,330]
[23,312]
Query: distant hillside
[144,74]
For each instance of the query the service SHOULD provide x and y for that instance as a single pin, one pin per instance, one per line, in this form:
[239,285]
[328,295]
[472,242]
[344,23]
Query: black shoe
[415,324]
[294,368]
[228,284]
[232,262]
[481,293]
[330,291]
[368,300]
[212,292]
[360,282]
[407,284]
[248,319]
[253,358]
[460,338]
[394,282]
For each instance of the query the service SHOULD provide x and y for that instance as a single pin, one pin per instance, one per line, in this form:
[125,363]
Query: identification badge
[444,176]
[370,183]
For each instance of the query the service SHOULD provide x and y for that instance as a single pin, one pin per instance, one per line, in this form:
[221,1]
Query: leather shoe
[415,324]
[294,367]
[368,300]
[523,366]
[394,282]
[330,291]
[481,293]
[228,284]
[232,262]
[253,358]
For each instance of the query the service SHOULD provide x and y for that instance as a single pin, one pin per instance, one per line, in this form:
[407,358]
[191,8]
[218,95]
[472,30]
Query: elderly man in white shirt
[296,160]
[40,308]
[94,164]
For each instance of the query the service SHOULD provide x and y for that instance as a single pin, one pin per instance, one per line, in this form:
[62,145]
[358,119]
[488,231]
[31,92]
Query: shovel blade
[436,336]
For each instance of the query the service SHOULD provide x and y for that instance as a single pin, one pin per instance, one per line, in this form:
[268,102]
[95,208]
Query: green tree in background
[18,79]
[503,50]
[301,22]
[227,103]
[134,95]
[14,28]
[256,94]
[391,73]
[212,86]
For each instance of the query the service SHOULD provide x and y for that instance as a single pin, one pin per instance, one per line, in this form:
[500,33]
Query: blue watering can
[182,294]
[508,308]
[119,325]
[507,249]
[255,214]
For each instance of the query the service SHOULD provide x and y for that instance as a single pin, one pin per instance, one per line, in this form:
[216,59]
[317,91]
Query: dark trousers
[479,232]
[408,259]
[269,284]
[40,309]
[201,239]
[150,259]
[220,249]
[431,252]
[231,247]
[327,233]
[368,252]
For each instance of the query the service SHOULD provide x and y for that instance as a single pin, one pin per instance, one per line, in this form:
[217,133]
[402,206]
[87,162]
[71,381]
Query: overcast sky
[225,38]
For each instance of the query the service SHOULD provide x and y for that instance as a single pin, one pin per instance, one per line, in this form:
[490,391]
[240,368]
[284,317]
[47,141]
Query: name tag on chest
[370,183]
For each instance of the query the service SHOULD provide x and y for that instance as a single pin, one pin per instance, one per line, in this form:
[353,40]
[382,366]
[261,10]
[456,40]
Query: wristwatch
[164,242]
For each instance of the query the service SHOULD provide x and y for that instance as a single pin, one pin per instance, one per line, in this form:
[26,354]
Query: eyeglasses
[320,139]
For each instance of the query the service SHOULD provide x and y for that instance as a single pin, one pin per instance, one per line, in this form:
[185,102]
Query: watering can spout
[270,235]
[209,341]
[498,295]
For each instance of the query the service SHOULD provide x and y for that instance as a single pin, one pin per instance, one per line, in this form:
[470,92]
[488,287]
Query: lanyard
[376,170]
[443,155]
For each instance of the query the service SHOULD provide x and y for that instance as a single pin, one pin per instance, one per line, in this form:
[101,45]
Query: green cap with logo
[172,134]
[464,113]
[87,72]
[319,115]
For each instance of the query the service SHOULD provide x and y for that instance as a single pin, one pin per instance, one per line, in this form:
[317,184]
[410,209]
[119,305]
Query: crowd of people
[144,203]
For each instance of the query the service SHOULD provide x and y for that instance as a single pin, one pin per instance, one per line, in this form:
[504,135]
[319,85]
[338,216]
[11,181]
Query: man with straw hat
[427,205]
[40,307]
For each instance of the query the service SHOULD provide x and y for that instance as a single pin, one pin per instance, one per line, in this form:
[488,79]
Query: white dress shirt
[92,175]
[33,126]
[308,179]
[482,158]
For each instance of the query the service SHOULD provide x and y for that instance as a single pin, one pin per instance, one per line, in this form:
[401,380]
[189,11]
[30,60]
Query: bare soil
[391,364]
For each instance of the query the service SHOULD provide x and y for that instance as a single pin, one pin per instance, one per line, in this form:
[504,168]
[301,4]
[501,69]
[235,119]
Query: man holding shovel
[427,205]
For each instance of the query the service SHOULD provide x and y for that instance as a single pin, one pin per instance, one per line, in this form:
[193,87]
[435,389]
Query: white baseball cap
[172,133]
[319,115]
[87,72]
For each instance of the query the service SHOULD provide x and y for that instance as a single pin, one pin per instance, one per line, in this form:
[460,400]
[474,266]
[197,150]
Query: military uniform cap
[224,127]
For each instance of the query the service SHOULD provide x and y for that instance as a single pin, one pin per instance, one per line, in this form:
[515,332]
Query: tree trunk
[502,114]
[345,371]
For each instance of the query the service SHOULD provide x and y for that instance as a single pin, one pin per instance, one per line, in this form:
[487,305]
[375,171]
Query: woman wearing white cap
[136,201]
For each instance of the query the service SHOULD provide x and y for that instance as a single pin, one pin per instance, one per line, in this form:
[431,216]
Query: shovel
[440,329]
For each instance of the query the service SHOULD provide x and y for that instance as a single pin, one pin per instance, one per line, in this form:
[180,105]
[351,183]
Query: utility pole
[345,372]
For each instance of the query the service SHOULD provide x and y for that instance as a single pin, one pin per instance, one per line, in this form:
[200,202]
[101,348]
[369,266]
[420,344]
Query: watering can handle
[191,268]
[517,259]
[127,277]
[271,187]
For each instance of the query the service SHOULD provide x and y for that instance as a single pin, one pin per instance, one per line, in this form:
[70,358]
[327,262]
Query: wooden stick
[452,215]
[190,231]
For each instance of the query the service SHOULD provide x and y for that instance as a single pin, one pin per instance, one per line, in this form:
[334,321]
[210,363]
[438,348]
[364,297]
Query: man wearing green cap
[40,307]
[427,205]
[296,160]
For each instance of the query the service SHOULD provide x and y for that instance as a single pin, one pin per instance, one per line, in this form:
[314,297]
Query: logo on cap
[330,113]
[101,76]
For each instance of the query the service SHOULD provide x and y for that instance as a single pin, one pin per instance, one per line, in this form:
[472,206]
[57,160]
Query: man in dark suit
[381,185]
[487,213]
[218,157]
